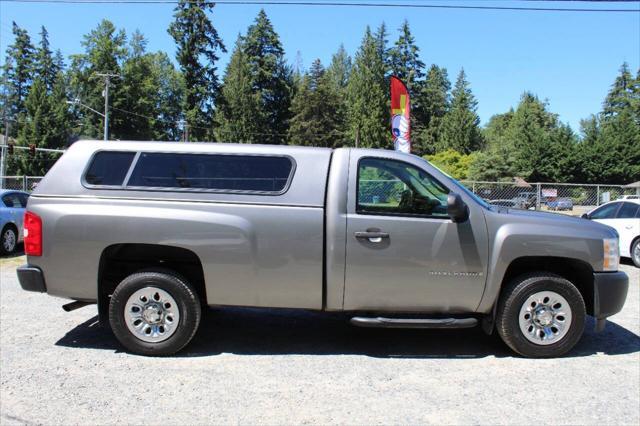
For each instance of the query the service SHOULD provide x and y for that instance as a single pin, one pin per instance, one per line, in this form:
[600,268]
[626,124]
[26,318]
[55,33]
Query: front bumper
[609,293]
[31,279]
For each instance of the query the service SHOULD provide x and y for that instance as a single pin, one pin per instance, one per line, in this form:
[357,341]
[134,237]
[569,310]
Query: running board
[414,322]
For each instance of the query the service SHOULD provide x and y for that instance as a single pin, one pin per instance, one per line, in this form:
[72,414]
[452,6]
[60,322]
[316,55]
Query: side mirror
[585,216]
[456,208]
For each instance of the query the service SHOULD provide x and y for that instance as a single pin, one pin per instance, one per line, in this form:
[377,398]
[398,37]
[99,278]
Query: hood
[548,221]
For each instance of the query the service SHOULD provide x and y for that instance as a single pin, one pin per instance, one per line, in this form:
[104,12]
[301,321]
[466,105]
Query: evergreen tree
[461,124]
[623,94]
[46,67]
[45,125]
[339,70]
[139,91]
[405,58]
[168,100]
[337,76]
[104,52]
[271,79]
[239,112]
[198,45]
[368,114]
[17,73]
[315,121]
[430,107]
[382,41]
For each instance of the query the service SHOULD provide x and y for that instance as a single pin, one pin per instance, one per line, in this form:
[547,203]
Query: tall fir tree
[239,112]
[104,51]
[198,44]
[337,78]
[368,115]
[315,121]
[623,95]
[46,67]
[432,102]
[271,79]
[168,99]
[404,58]
[461,130]
[17,74]
[45,125]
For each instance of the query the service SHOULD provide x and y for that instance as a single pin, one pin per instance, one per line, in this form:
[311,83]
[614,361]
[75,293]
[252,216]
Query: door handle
[372,236]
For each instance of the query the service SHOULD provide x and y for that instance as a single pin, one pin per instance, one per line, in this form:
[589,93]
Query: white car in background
[624,217]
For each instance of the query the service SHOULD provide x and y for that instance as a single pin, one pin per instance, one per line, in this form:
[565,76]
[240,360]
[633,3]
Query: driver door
[404,253]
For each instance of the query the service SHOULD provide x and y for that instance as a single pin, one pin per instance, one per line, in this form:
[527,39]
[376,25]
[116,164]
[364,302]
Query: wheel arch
[576,271]
[118,261]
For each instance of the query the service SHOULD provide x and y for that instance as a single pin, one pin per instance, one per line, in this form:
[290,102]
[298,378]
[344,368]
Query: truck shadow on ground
[293,332]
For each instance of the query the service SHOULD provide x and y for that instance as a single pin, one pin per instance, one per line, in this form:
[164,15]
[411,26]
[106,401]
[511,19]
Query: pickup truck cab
[153,232]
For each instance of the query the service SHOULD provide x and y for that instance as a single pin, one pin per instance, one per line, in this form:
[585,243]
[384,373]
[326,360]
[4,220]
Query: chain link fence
[20,183]
[562,197]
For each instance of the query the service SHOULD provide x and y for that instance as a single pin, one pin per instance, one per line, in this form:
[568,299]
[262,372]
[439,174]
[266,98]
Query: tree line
[47,100]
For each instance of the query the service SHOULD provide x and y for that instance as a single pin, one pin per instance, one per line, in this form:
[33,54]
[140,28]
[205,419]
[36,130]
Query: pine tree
[198,45]
[368,114]
[461,124]
[382,41]
[45,66]
[271,79]
[239,111]
[104,52]
[431,104]
[337,78]
[339,70]
[315,121]
[168,100]
[17,73]
[45,125]
[139,90]
[623,93]
[405,58]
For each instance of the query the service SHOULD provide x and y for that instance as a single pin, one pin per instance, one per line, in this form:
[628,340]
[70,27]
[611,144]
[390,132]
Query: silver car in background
[12,207]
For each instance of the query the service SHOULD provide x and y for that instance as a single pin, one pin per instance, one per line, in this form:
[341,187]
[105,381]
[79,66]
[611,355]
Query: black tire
[635,252]
[180,290]
[516,293]
[9,229]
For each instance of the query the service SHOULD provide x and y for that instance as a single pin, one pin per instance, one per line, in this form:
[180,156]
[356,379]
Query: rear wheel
[9,239]
[541,315]
[635,252]
[154,313]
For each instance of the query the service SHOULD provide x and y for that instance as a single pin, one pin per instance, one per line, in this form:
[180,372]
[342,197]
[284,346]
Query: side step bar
[414,322]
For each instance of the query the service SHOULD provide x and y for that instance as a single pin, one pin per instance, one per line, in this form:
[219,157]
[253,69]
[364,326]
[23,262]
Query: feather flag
[400,116]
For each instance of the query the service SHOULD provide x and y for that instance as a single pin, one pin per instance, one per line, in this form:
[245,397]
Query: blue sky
[569,58]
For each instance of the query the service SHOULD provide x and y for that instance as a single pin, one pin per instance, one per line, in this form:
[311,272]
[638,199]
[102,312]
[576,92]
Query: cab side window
[606,212]
[628,211]
[13,201]
[397,188]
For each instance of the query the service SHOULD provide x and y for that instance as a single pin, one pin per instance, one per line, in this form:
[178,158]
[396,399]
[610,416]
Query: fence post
[473,187]
[597,195]
[538,192]
[24,183]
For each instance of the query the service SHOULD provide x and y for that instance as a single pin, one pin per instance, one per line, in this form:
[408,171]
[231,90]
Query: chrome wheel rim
[636,253]
[151,314]
[9,240]
[545,318]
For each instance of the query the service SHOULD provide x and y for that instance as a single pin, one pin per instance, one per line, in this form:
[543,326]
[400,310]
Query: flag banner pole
[400,115]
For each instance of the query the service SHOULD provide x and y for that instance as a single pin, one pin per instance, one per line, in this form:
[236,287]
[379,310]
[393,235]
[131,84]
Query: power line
[345,4]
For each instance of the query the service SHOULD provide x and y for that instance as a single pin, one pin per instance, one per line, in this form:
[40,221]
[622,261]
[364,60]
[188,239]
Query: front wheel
[154,313]
[541,315]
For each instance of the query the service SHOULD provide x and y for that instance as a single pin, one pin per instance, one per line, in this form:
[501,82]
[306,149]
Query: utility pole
[3,153]
[107,82]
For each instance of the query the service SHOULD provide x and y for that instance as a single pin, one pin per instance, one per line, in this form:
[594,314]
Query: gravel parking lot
[275,367]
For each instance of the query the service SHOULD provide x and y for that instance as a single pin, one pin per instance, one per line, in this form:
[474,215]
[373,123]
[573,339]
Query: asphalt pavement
[255,366]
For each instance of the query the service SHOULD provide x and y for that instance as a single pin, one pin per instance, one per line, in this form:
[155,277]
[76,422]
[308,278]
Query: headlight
[611,251]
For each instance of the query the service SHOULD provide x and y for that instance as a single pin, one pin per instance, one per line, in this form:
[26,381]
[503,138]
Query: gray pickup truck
[154,232]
